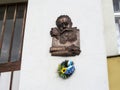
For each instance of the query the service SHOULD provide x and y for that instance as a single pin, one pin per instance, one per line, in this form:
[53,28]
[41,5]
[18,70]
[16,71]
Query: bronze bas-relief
[65,38]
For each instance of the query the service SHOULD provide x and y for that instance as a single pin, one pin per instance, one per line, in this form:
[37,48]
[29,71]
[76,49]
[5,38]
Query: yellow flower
[63,70]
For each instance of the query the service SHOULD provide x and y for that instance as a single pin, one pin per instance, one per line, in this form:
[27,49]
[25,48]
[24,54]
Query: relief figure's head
[63,22]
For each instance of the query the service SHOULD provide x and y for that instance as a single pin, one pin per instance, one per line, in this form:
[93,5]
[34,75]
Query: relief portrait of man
[65,38]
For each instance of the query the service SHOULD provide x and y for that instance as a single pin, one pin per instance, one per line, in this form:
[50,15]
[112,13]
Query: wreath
[66,69]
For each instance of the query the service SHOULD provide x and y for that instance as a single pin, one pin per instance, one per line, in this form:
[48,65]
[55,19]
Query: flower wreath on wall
[66,69]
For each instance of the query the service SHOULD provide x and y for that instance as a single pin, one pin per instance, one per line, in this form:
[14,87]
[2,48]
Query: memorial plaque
[65,38]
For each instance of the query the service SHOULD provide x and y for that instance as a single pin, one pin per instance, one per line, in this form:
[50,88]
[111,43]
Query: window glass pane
[7,34]
[20,10]
[116,5]
[117,22]
[15,55]
[2,10]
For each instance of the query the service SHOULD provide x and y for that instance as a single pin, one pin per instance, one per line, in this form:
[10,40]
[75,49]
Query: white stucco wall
[110,33]
[39,68]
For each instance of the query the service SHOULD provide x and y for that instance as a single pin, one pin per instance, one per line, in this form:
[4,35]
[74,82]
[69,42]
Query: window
[116,6]
[12,24]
